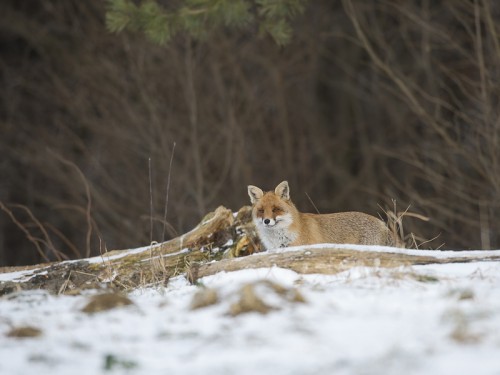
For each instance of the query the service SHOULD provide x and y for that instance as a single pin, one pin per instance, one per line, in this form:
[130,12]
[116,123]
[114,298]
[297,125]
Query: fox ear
[283,190]
[255,193]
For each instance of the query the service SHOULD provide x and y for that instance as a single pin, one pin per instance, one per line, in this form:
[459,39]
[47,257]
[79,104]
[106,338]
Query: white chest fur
[273,237]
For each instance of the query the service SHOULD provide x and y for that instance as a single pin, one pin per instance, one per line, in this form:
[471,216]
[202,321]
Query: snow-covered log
[219,243]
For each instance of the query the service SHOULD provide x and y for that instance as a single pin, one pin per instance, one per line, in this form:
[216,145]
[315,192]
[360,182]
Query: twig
[32,239]
[310,200]
[65,284]
[150,203]
[87,193]
[48,242]
[64,239]
[166,194]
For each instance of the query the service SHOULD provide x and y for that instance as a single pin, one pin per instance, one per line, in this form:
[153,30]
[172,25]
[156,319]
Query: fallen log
[334,259]
[219,234]
[219,243]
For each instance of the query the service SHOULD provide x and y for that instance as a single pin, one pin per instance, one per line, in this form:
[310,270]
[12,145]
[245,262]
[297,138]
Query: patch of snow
[440,254]
[21,276]
[11,276]
[229,243]
[431,319]
[121,254]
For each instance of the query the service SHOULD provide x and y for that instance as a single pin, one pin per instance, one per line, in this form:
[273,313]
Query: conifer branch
[197,18]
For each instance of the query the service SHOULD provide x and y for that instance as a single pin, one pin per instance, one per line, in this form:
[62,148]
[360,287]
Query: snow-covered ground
[434,319]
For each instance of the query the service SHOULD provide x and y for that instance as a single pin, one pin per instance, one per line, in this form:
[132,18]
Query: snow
[124,253]
[18,275]
[432,319]
[440,254]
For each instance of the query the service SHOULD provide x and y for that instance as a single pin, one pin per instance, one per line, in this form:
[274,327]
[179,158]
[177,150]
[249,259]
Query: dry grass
[396,227]
[24,332]
[106,301]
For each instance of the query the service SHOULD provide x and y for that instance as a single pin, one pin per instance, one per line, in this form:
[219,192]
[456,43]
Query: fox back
[280,224]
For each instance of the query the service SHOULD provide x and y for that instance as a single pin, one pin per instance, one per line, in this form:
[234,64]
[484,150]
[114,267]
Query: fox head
[272,209]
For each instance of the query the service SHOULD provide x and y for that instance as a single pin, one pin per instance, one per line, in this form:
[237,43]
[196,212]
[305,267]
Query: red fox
[280,224]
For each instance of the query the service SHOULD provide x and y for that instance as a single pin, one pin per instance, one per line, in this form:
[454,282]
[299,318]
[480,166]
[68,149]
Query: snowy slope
[434,319]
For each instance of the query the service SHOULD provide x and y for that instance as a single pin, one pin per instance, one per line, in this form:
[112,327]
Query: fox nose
[267,221]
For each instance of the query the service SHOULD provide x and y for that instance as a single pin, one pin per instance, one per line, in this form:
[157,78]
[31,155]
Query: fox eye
[260,210]
[276,209]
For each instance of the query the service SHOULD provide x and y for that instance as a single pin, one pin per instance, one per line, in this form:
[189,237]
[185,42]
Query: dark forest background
[370,102]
